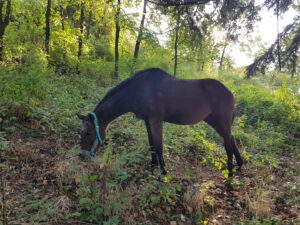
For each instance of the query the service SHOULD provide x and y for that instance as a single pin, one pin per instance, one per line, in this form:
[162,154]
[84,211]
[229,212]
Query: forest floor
[44,181]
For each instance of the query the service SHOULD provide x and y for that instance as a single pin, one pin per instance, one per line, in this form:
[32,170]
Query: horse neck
[113,107]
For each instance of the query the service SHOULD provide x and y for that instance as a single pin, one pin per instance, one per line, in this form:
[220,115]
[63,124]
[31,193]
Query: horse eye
[84,134]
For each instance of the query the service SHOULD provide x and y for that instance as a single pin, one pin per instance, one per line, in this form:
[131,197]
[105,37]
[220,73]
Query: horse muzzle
[92,152]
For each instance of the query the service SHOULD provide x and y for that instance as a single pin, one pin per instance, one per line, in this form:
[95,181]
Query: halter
[98,139]
[96,123]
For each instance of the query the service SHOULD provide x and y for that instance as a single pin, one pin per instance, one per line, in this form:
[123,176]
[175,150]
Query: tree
[81,19]
[170,3]
[177,27]
[226,43]
[278,36]
[4,23]
[199,21]
[47,28]
[117,23]
[140,34]
[235,16]
[284,51]
[89,24]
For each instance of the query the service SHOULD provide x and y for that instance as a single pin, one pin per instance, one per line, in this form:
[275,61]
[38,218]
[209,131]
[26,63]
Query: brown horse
[155,96]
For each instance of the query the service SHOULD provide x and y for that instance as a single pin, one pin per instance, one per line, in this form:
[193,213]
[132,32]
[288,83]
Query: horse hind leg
[238,158]
[223,127]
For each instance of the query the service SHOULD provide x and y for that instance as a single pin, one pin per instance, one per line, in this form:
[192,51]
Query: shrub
[22,89]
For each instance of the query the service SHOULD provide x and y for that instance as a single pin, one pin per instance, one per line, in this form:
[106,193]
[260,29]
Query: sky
[266,29]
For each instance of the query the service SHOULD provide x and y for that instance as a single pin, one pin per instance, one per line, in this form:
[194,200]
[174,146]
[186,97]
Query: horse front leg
[155,126]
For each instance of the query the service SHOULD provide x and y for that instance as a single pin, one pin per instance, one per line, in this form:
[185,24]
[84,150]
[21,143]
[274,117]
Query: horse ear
[81,117]
[90,118]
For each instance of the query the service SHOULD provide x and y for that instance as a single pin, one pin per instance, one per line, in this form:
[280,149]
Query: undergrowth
[112,189]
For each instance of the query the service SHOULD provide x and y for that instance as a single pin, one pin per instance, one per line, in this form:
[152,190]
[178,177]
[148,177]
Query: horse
[156,97]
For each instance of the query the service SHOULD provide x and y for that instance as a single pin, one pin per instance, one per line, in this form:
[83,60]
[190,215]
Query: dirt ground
[36,169]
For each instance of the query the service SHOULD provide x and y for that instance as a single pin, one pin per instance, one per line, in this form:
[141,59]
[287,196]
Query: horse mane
[125,82]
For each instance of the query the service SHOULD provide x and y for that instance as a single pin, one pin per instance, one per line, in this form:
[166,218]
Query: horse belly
[188,115]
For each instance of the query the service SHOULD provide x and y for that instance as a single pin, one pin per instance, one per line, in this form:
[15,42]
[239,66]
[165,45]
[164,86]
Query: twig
[3,204]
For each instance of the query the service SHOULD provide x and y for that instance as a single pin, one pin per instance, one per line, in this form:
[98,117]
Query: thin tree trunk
[222,57]
[62,18]
[63,29]
[117,21]
[227,39]
[278,39]
[3,24]
[3,199]
[88,28]
[140,34]
[47,29]
[81,30]
[1,43]
[201,60]
[294,64]
[176,42]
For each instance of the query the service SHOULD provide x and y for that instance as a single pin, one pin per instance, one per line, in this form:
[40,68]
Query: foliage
[91,207]
[41,94]
[23,89]
[39,211]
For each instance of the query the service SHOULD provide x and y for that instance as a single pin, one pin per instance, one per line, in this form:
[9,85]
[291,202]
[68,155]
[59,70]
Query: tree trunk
[201,56]
[3,24]
[81,30]
[117,21]
[278,38]
[176,42]
[62,18]
[222,56]
[88,28]
[3,200]
[227,40]
[140,34]
[47,28]
[1,42]
[294,64]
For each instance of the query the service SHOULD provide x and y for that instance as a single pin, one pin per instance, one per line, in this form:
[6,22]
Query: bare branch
[168,3]
[269,56]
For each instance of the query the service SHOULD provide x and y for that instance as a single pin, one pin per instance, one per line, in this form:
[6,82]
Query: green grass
[117,188]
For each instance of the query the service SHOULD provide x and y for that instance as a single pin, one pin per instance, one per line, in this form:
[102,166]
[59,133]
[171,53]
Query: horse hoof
[164,172]
[237,167]
[151,168]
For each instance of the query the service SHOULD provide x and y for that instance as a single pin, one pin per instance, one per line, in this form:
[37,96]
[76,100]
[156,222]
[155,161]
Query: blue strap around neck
[96,123]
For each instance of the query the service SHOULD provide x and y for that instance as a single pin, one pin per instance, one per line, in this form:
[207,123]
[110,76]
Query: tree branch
[168,3]
[269,55]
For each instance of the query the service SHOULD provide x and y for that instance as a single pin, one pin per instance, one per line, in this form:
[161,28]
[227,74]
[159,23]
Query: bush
[23,89]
